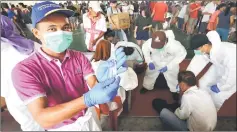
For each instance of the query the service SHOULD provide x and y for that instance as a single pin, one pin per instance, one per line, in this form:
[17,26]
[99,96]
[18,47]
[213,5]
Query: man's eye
[52,29]
[67,28]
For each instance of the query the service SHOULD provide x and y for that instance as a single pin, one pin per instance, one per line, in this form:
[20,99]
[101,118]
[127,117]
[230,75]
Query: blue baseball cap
[44,9]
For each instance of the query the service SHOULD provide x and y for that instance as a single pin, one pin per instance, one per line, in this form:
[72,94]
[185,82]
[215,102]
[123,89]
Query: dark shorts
[203,27]
[180,23]
[157,25]
[143,35]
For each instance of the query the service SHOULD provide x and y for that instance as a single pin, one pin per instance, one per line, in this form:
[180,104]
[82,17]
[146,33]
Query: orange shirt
[160,9]
[194,14]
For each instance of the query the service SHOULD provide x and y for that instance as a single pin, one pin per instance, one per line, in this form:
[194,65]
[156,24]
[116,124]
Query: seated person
[197,111]
[163,54]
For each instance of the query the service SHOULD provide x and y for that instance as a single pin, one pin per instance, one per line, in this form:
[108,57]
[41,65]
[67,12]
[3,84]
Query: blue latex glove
[215,89]
[151,66]
[164,69]
[103,69]
[103,92]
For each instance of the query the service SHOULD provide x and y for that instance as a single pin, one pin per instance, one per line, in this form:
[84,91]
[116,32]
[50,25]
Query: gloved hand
[101,93]
[215,89]
[164,69]
[151,66]
[103,69]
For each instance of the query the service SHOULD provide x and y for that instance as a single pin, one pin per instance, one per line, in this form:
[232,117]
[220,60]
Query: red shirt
[194,14]
[152,5]
[160,9]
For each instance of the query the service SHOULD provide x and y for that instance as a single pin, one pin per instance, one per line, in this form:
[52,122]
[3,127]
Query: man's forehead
[55,19]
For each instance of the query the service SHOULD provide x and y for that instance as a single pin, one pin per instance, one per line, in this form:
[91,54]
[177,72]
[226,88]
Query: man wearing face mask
[163,54]
[197,111]
[53,82]
[94,25]
[220,79]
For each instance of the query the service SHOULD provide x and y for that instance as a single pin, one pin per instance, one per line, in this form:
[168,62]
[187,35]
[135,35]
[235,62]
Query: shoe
[159,104]
[175,96]
[173,107]
[143,91]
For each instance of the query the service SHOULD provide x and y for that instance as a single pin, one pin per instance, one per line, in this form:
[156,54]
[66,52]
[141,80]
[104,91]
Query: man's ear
[36,33]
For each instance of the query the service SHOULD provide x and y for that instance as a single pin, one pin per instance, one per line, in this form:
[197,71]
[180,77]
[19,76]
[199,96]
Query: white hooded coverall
[222,72]
[171,56]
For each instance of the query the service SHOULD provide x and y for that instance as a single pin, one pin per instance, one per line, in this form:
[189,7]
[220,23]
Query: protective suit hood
[169,34]
[214,38]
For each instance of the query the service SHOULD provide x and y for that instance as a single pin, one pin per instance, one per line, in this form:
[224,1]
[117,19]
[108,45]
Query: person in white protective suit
[129,81]
[220,79]
[12,44]
[135,58]
[163,54]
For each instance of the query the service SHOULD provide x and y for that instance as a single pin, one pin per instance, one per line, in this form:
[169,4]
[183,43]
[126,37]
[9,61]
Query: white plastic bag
[88,122]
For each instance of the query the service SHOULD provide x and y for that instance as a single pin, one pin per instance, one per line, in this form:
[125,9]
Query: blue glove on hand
[151,66]
[164,69]
[102,73]
[101,93]
[215,89]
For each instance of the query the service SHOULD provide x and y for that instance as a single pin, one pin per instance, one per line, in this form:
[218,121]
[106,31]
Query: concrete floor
[154,124]
[125,123]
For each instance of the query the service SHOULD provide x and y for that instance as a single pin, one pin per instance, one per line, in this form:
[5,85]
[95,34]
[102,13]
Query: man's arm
[195,9]
[180,53]
[153,13]
[146,51]
[91,81]
[98,38]
[50,116]
[232,20]
[184,111]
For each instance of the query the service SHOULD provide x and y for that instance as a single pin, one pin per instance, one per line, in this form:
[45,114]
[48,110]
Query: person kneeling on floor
[163,54]
[197,111]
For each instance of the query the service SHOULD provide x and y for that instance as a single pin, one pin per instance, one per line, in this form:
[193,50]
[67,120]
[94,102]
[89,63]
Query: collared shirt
[199,110]
[210,8]
[40,75]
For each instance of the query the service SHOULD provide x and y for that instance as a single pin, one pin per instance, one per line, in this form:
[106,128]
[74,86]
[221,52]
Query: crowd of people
[48,86]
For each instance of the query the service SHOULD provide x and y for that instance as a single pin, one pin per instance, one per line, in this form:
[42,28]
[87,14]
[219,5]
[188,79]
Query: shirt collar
[191,89]
[49,58]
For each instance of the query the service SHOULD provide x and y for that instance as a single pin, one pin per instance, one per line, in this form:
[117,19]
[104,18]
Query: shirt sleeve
[27,84]
[103,24]
[109,13]
[87,69]
[184,111]
[137,21]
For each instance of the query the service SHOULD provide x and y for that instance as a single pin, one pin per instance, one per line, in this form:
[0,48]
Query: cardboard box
[121,20]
